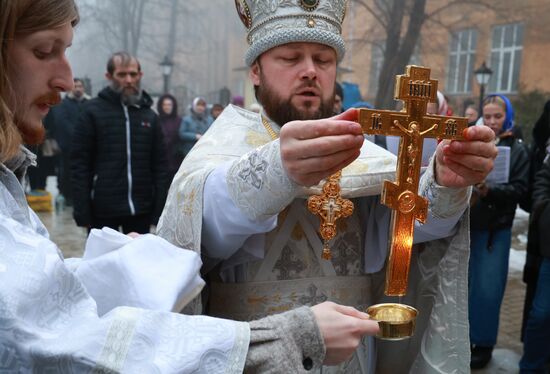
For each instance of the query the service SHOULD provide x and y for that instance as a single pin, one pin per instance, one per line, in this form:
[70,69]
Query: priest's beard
[281,110]
[33,131]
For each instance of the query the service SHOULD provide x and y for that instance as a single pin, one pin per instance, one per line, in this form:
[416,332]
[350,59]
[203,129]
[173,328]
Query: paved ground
[71,240]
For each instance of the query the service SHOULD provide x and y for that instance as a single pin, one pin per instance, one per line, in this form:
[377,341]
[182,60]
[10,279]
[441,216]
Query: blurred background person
[491,217]
[238,101]
[215,111]
[440,107]
[472,114]
[536,336]
[538,153]
[193,126]
[66,117]
[169,121]
[119,170]
[47,155]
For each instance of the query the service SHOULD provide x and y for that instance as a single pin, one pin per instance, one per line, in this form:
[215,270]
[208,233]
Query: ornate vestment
[288,270]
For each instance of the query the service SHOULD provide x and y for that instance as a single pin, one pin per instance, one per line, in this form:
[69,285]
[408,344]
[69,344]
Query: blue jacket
[191,125]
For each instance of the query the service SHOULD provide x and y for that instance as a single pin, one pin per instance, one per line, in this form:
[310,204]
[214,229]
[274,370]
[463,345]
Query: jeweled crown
[271,23]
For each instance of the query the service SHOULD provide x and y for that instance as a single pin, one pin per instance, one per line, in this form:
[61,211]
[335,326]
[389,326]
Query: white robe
[50,323]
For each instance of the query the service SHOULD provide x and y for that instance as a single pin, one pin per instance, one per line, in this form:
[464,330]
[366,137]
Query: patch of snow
[517,260]
[521,213]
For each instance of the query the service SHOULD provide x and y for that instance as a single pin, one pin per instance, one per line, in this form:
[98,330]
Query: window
[506,49]
[377,59]
[462,52]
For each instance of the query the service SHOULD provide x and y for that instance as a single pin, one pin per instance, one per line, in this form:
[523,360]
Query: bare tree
[120,21]
[402,22]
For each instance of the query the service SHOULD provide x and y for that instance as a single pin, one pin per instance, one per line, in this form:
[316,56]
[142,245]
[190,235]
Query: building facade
[512,37]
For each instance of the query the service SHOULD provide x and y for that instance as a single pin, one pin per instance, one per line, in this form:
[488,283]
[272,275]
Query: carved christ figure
[413,148]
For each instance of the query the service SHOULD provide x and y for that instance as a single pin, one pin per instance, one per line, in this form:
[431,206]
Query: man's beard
[33,134]
[127,98]
[282,111]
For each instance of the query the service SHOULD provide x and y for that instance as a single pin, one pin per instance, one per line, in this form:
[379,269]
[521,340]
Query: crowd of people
[226,187]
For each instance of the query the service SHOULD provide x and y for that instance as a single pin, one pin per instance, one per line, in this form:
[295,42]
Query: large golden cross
[415,89]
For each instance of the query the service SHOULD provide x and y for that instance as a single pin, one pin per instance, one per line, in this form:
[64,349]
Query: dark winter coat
[538,202]
[497,209]
[118,161]
[537,152]
[170,125]
[539,227]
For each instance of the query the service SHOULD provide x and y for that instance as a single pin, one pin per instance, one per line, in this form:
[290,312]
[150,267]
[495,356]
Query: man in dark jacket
[118,162]
[66,117]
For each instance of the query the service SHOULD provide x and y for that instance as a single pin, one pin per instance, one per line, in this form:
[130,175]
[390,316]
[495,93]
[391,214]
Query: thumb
[351,114]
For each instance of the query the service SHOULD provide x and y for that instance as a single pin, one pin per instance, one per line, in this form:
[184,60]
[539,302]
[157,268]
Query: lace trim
[117,343]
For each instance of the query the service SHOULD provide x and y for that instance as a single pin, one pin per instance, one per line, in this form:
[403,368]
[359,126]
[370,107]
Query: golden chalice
[396,321]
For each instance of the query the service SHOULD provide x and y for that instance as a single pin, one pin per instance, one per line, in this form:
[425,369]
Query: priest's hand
[466,162]
[314,150]
[342,328]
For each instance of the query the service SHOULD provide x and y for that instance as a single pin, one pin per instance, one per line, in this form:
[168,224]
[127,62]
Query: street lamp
[483,74]
[166,66]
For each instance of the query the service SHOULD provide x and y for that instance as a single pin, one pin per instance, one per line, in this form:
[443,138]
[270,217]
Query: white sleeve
[225,227]
[437,227]
[446,207]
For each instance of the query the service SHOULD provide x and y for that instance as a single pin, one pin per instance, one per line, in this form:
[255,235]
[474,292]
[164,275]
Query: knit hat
[272,23]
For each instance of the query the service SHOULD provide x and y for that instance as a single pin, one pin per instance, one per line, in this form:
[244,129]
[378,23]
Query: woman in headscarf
[491,217]
[193,126]
[167,108]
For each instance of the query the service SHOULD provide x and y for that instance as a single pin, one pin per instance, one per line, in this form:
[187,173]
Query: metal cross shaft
[415,89]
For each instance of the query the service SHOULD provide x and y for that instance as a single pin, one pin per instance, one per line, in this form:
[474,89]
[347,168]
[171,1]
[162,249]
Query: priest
[239,199]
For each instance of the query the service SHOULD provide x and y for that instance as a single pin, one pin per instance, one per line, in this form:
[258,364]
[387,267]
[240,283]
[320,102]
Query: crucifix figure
[329,206]
[415,89]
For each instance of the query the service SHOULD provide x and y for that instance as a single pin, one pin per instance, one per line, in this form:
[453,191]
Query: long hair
[23,17]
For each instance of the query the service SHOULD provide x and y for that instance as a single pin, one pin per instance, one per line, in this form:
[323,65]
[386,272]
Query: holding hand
[314,150]
[462,163]
[342,328]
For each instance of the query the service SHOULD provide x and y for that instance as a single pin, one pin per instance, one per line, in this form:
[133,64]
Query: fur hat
[272,23]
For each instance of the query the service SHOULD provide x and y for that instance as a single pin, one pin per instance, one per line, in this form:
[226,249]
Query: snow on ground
[517,260]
